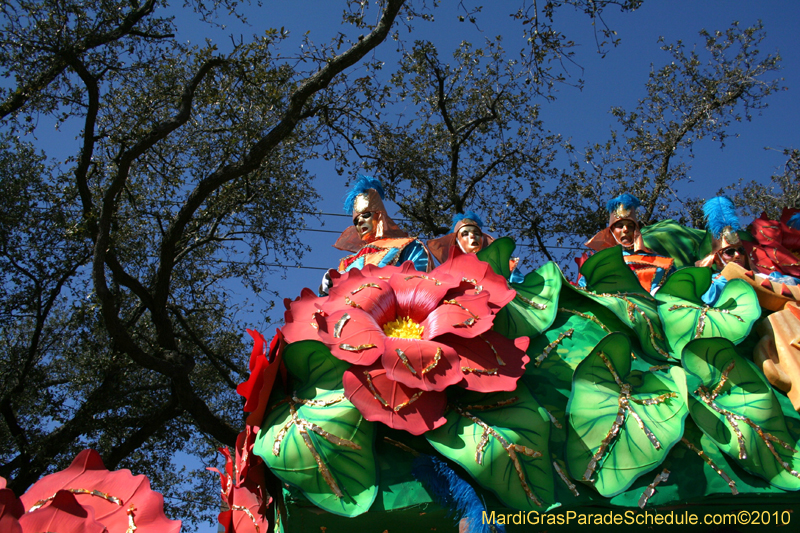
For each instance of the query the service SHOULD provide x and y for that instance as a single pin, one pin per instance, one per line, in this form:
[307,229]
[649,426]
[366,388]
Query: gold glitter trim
[337,329]
[432,364]
[550,347]
[553,420]
[500,362]
[511,449]
[97,493]
[374,392]
[403,359]
[767,438]
[351,303]
[408,402]
[366,286]
[303,426]
[701,320]
[465,324]
[651,488]
[535,305]
[351,348]
[487,371]
[587,317]
[731,483]
[132,525]
[478,288]
[317,403]
[497,405]
[624,407]
[423,276]
[398,444]
[659,367]
[246,511]
[570,485]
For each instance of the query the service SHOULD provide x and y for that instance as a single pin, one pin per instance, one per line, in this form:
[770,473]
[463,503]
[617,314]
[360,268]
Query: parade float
[412,399]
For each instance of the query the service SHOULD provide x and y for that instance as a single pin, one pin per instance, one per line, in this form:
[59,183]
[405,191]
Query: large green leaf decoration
[557,352]
[670,239]
[314,368]
[501,439]
[686,317]
[636,311]
[606,271]
[623,421]
[497,255]
[534,307]
[316,439]
[735,406]
[324,447]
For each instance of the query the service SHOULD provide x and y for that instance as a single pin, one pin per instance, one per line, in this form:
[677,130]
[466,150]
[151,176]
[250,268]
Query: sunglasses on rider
[731,252]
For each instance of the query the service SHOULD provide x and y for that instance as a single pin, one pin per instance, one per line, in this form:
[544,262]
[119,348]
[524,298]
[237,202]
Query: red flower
[87,498]
[410,335]
[243,487]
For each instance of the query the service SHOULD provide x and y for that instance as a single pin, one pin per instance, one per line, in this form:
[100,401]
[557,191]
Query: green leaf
[687,283]
[637,312]
[670,239]
[606,271]
[557,352]
[604,401]
[314,367]
[685,320]
[329,429]
[497,255]
[534,307]
[732,402]
[501,439]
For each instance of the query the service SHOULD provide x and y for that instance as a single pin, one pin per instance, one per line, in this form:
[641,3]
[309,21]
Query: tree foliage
[120,330]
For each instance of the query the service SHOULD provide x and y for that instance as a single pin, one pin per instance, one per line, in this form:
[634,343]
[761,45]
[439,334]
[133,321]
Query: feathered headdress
[362,185]
[720,216]
[469,215]
[628,201]
[794,221]
[366,195]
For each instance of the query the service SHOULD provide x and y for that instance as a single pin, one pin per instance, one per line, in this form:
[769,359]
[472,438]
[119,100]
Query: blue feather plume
[794,221]
[628,201]
[452,492]
[472,215]
[362,184]
[719,213]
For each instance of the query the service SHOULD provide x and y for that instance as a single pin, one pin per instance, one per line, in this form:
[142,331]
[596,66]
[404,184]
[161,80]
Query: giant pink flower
[410,335]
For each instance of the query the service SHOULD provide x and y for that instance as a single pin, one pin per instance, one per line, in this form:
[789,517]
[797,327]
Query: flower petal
[380,399]
[88,473]
[477,276]
[263,370]
[418,294]
[424,365]
[369,293]
[465,316]
[491,362]
[353,336]
[300,317]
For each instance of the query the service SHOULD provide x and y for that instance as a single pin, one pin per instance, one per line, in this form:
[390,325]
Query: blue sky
[618,79]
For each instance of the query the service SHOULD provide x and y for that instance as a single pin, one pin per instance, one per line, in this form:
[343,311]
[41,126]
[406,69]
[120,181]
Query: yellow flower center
[403,328]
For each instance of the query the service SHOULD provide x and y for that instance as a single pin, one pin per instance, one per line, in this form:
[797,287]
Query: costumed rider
[722,227]
[776,250]
[624,230]
[466,237]
[374,238]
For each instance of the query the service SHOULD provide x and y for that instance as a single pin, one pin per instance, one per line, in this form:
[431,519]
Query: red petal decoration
[87,473]
[465,316]
[418,294]
[257,388]
[11,510]
[767,284]
[246,498]
[416,411]
[481,359]
[64,514]
[478,274]
[360,339]
[300,317]
[371,294]
[435,366]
